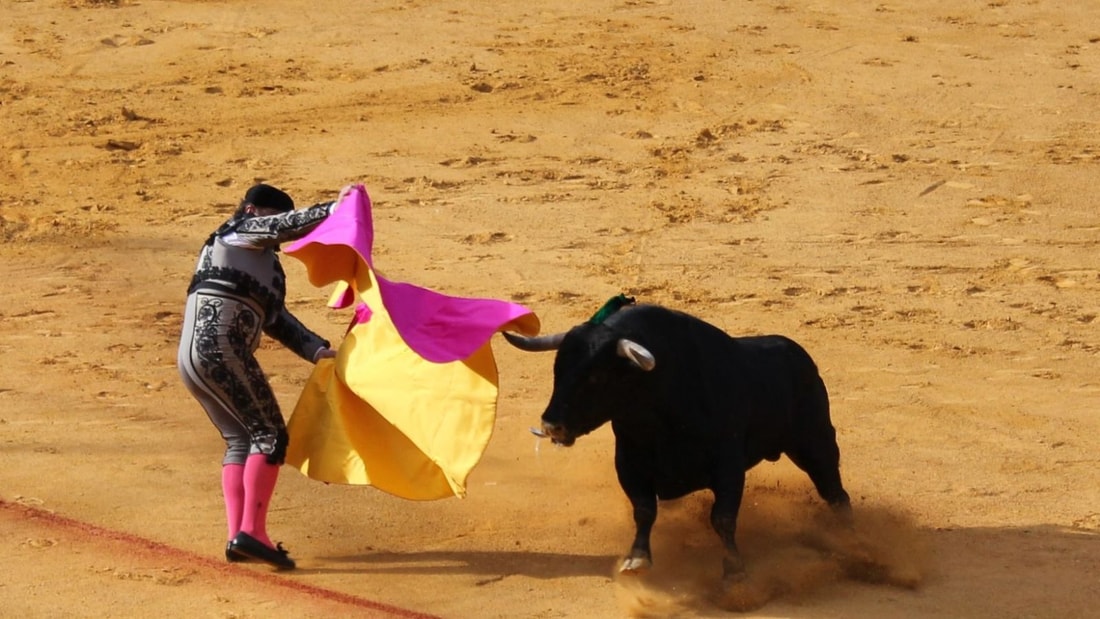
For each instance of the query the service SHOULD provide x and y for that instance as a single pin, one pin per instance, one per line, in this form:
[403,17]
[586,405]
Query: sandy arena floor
[906,190]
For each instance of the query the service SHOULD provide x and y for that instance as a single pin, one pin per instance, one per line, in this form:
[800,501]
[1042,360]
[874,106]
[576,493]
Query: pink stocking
[259,485]
[233,492]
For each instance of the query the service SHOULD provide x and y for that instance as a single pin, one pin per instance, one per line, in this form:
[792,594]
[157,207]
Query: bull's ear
[637,354]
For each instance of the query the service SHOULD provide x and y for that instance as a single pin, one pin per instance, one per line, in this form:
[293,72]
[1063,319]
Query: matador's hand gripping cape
[409,402]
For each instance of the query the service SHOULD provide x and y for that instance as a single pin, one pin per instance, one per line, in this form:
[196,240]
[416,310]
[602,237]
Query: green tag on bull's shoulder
[613,305]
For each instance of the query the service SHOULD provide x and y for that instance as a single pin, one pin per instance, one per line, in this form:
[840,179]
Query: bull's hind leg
[814,448]
[820,459]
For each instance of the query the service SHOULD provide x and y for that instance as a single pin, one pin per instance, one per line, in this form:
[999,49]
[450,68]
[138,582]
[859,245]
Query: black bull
[691,408]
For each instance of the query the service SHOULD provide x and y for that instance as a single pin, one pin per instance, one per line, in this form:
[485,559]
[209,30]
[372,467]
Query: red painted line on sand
[158,548]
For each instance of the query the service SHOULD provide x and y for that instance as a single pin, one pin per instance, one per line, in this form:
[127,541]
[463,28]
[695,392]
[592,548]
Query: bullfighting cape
[409,402]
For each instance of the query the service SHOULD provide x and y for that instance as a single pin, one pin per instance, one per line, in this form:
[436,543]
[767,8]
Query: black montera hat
[266,196]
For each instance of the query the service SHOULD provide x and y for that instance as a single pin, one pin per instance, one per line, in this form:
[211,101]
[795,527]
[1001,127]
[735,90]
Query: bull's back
[754,392]
[777,354]
[783,395]
[710,383]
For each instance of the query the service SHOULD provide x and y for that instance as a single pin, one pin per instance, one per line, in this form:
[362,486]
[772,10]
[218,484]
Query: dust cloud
[793,546]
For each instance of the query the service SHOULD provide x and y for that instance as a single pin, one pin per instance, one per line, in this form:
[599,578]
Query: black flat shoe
[253,548]
[233,556]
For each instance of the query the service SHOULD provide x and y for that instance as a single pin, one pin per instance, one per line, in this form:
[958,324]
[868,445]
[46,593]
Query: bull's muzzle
[558,434]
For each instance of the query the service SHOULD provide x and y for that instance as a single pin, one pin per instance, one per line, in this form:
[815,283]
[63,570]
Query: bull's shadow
[493,564]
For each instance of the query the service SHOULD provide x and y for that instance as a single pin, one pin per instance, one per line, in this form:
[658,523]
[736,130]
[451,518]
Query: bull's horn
[637,354]
[539,343]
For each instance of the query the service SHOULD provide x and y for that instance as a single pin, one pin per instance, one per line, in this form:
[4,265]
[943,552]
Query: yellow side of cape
[381,415]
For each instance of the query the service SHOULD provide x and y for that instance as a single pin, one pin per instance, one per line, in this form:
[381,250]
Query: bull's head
[595,375]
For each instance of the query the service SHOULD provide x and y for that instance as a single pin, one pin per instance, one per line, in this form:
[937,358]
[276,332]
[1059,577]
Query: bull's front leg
[723,517]
[633,468]
[645,514]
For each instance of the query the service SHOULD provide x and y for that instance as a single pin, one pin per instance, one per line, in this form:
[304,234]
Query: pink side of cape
[440,328]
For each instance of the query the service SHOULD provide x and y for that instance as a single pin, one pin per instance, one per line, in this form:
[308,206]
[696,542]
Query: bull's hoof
[635,565]
[733,570]
[843,514]
[742,596]
[730,579]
